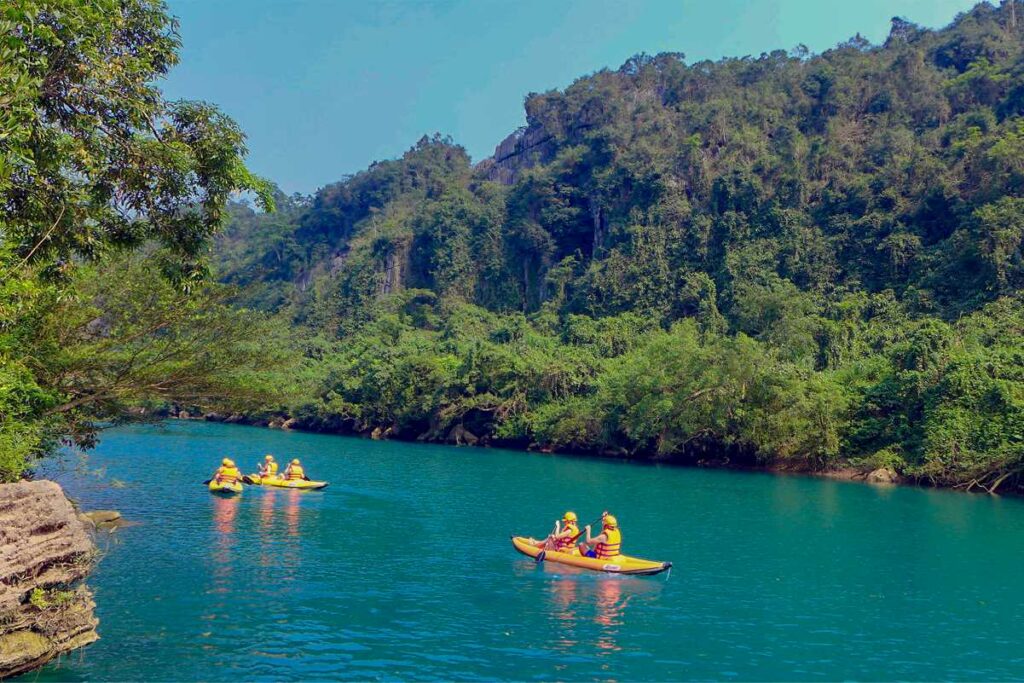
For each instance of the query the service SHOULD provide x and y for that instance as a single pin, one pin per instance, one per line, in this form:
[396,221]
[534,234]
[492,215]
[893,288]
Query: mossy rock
[23,650]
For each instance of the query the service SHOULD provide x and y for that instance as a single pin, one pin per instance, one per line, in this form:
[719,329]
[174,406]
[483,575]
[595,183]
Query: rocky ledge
[45,552]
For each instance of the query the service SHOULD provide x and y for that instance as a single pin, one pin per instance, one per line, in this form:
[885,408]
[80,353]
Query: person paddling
[294,471]
[564,537]
[605,545]
[269,467]
[227,472]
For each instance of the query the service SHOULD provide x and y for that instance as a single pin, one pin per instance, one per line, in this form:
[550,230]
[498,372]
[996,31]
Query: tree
[94,161]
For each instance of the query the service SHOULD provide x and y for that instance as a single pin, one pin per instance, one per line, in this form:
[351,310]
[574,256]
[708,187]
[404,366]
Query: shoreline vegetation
[806,262]
[462,437]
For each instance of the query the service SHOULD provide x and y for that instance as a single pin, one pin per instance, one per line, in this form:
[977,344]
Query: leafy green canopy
[94,161]
[750,255]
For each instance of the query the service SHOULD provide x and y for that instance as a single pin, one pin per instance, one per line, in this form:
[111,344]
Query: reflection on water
[581,603]
[564,608]
[222,553]
[224,512]
[610,608]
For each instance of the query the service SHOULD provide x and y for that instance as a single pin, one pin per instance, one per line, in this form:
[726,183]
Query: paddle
[596,521]
[543,553]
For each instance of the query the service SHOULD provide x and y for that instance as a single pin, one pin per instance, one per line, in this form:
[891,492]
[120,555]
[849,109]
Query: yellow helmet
[610,522]
[226,462]
[569,516]
[269,458]
[295,461]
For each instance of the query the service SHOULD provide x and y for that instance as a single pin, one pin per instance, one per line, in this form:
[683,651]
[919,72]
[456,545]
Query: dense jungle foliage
[795,259]
[108,195]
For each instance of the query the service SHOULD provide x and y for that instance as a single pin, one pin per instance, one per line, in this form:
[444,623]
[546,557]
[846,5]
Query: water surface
[402,569]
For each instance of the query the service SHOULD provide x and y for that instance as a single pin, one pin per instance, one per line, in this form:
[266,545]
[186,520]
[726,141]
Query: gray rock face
[522,149]
[460,435]
[44,550]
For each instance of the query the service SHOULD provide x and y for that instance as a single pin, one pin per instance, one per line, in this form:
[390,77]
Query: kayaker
[606,544]
[563,537]
[269,467]
[294,471]
[227,472]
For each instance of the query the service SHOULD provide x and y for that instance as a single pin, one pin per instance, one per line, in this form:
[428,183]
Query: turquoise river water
[402,569]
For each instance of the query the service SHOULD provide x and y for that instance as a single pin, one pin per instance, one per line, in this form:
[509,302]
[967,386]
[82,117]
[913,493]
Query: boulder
[460,435]
[233,418]
[102,519]
[275,423]
[290,423]
[213,417]
[184,415]
[377,434]
[44,551]
[883,475]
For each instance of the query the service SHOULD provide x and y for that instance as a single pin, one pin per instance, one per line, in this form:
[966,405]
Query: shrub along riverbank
[938,403]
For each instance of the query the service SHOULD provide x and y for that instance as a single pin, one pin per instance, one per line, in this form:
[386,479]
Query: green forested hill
[793,258]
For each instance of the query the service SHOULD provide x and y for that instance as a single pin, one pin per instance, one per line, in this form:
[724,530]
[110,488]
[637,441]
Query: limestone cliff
[526,147]
[45,551]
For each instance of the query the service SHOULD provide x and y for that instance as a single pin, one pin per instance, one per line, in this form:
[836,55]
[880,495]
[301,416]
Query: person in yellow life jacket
[227,472]
[269,467]
[564,536]
[606,544]
[294,471]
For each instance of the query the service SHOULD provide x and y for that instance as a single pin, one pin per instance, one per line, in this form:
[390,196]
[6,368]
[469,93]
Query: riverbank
[726,459]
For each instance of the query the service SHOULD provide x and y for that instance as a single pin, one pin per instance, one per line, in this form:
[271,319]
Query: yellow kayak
[620,564]
[257,480]
[225,487]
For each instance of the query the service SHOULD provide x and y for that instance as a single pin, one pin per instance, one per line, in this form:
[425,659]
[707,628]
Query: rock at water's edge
[44,550]
[102,519]
[883,475]
[460,435]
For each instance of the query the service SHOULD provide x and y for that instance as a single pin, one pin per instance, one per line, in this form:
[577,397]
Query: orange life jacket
[610,546]
[565,543]
[228,474]
[295,472]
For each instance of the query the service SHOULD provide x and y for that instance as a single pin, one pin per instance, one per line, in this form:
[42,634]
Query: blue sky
[325,87]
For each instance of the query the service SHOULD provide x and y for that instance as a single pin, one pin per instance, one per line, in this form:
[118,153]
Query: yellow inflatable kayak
[257,480]
[225,487]
[620,564]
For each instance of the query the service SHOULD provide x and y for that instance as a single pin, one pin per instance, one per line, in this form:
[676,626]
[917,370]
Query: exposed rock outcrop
[45,551]
[524,148]
[883,475]
[460,435]
[103,519]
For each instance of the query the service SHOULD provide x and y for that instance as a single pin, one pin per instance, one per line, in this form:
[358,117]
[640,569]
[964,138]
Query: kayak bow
[620,564]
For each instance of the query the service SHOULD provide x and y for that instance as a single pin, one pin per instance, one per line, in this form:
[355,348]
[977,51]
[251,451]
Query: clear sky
[325,87]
